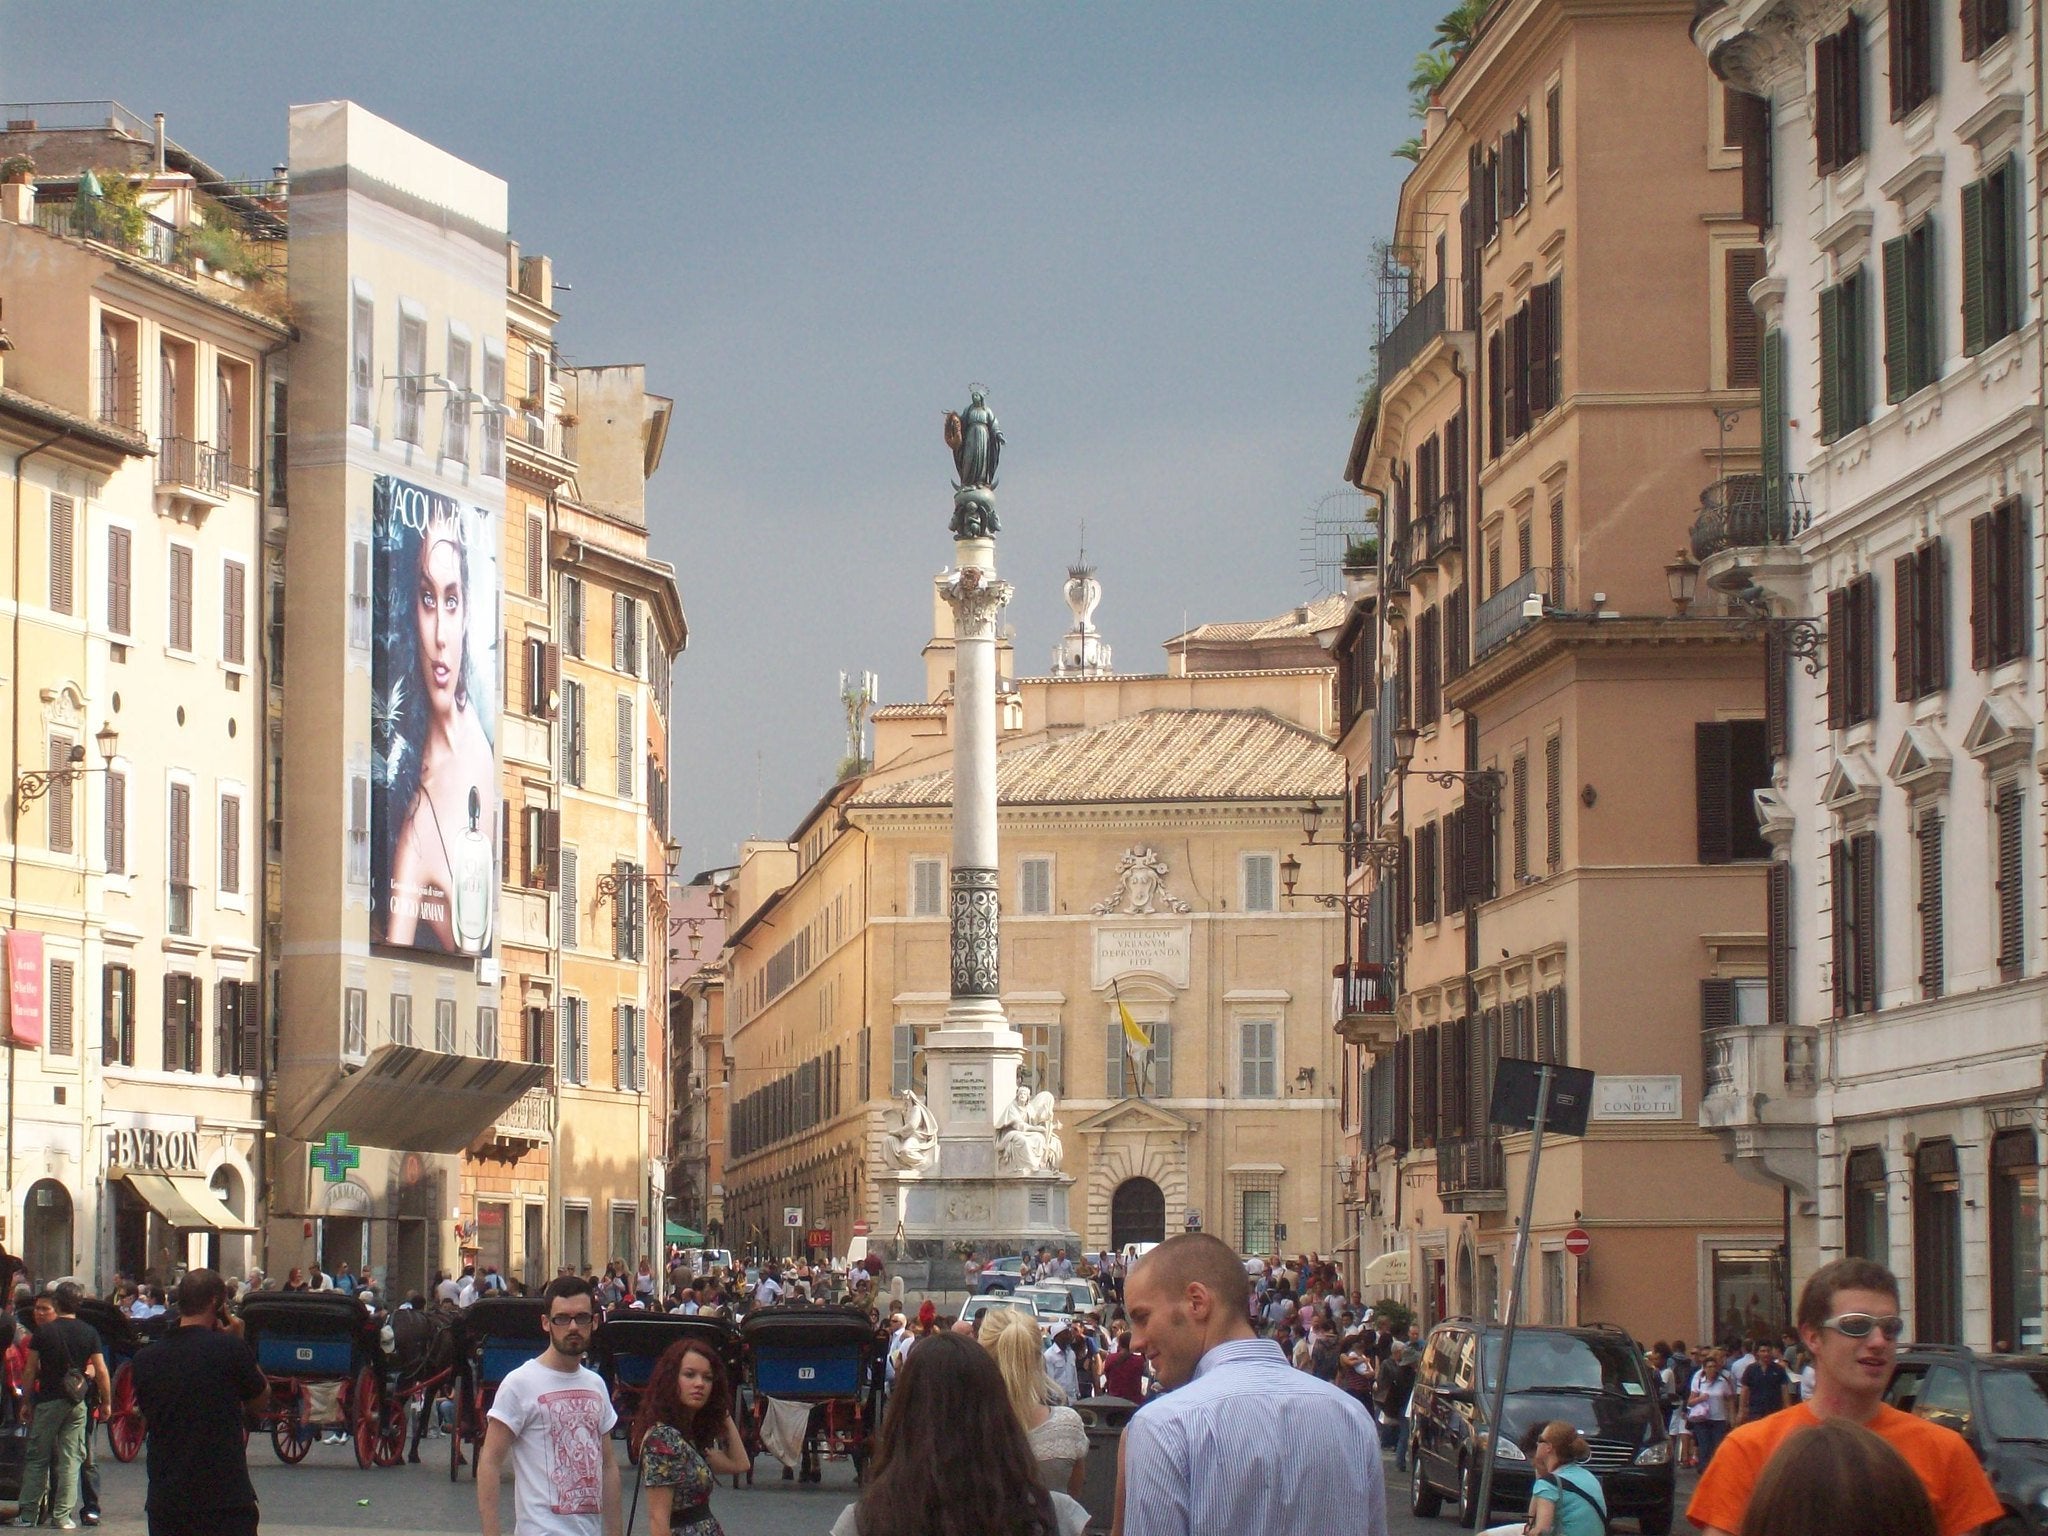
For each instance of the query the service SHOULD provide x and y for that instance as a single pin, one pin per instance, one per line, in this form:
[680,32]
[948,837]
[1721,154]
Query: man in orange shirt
[1849,1319]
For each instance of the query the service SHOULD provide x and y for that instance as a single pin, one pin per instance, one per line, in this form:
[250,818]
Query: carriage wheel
[125,1427]
[455,1433]
[290,1436]
[363,1402]
[390,1431]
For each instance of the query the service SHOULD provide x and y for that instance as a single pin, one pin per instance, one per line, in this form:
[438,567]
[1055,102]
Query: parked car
[1999,1403]
[976,1307]
[1594,1379]
[999,1275]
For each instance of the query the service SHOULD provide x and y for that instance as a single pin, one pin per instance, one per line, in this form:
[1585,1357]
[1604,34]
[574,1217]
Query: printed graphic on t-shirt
[575,1455]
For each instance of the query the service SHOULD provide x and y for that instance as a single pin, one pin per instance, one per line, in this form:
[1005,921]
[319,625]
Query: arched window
[46,1231]
[1137,1214]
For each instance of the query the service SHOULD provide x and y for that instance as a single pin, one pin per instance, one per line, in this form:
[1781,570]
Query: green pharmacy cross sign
[337,1157]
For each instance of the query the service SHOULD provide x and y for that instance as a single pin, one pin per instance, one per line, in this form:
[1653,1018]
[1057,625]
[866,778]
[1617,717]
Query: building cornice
[1555,638]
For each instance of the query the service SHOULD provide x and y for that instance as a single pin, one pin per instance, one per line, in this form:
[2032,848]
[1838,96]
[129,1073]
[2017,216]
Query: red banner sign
[25,987]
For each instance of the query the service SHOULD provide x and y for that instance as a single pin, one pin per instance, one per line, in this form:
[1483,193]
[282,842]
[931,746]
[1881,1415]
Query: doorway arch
[1467,1300]
[1137,1214]
[46,1230]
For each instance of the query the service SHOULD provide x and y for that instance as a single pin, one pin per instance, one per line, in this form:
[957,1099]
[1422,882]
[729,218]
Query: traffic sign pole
[1507,1342]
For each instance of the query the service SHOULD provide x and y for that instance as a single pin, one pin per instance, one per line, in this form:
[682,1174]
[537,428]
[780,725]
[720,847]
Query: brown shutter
[1454,861]
[59,1038]
[1933,961]
[1717,1003]
[120,554]
[249,1060]
[63,560]
[117,824]
[1745,267]
[2015,572]
[1777,680]
[505,870]
[1863,640]
[1713,787]
[1752,133]
[1838,659]
[2012,923]
[1519,794]
[174,1040]
[181,834]
[1933,610]
[234,613]
[1905,668]
[1842,953]
[1864,850]
[1826,143]
[1980,592]
[1973,29]
[1553,795]
[231,843]
[536,558]
[1778,925]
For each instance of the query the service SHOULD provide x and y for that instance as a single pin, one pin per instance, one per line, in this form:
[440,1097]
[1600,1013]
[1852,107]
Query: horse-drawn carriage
[493,1338]
[121,1338]
[630,1343]
[321,1355]
[826,1357]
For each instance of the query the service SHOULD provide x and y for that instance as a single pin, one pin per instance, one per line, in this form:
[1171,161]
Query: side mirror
[1456,1394]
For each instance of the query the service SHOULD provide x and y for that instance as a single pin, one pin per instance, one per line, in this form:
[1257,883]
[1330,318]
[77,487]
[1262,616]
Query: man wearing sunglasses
[1849,1321]
[553,1419]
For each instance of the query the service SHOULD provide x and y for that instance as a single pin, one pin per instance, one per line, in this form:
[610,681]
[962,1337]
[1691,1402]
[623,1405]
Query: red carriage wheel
[360,1408]
[290,1436]
[125,1428]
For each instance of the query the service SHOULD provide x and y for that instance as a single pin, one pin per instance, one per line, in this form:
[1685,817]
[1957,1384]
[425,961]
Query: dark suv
[1594,1379]
[1999,1403]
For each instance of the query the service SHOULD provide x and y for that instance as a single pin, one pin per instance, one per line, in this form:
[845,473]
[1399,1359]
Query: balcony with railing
[1423,323]
[193,471]
[1362,1003]
[1748,511]
[1432,533]
[1508,612]
[1757,1083]
[1471,1174]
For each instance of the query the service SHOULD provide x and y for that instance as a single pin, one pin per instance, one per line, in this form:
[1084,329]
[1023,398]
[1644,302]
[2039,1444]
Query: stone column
[971,1060]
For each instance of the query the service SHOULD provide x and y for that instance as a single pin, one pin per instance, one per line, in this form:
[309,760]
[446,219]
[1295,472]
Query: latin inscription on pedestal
[1155,949]
[968,1092]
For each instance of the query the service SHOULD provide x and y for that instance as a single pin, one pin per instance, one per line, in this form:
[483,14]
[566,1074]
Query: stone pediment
[1922,762]
[1852,789]
[2000,731]
[1135,1115]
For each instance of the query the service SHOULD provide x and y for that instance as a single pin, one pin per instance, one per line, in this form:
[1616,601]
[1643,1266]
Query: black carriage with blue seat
[321,1355]
[824,1357]
[494,1337]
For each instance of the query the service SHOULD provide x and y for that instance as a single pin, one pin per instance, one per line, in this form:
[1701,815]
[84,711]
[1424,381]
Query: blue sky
[1147,228]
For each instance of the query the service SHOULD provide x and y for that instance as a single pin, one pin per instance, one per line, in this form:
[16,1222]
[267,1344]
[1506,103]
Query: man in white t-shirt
[768,1292]
[552,1418]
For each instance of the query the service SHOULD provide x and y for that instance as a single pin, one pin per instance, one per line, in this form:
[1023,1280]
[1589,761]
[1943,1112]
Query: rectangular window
[623,751]
[2015,1236]
[359,595]
[401,1018]
[1259,891]
[63,554]
[231,845]
[539,683]
[116,830]
[180,859]
[362,360]
[279,442]
[487,1032]
[1743,267]
[1929,908]
[234,613]
[412,373]
[1845,355]
[59,815]
[1778,941]
[355,1023]
[2008,815]
[493,464]
[572,615]
[182,1045]
[1730,766]
[572,919]
[1852,653]
[444,1025]
[1838,84]
[60,1028]
[927,888]
[1428,662]
[1867,1227]
[1553,130]
[233,1029]
[1912,319]
[359,830]
[117,1015]
[120,577]
[573,744]
[902,1056]
[2000,566]
[1518,782]
[1426,873]
[1255,1220]
[1258,1058]
[1994,259]
[1920,612]
[1854,895]
[1912,54]
[1553,802]
[1034,887]
[455,404]
[1985,22]
[536,558]
[576,1237]
[179,635]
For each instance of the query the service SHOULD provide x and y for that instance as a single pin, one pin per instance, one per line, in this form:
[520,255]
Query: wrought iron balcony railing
[1412,332]
[1506,614]
[1471,1174]
[188,465]
[1743,511]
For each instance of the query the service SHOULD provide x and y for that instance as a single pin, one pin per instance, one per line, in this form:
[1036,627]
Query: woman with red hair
[687,1439]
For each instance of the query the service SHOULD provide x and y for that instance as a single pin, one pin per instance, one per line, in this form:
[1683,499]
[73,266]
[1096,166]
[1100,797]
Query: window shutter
[1777,680]
[1713,779]
[181,834]
[1932,606]
[1830,363]
[571,917]
[120,575]
[174,1039]
[1744,267]
[233,613]
[231,843]
[1863,644]
[1932,936]
[622,1070]
[181,598]
[1778,926]
[1896,372]
[1553,786]
[1838,659]
[551,847]
[1843,954]
[1865,849]
[2008,812]
[1519,796]
[1826,143]
[1980,592]
[1717,1002]
[1771,389]
[565,1030]
[1905,623]
[1849,89]
[2015,578]
[58,813]
[117,824]
[1923,324]
[619,941]
[620,620]
[249,1045]
[1973,31]
[536,558]
[1974,256]
[622,746]
[1752,132]
[63,561]
[59,1037]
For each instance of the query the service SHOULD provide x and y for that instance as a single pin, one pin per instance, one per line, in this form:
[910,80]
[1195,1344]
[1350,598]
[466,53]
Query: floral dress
[667,1460]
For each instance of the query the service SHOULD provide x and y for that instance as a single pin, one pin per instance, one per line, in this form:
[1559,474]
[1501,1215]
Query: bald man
[1240,1441]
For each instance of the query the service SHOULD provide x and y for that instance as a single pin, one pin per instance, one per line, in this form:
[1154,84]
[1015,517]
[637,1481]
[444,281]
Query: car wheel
[1656,1522]
[1423,1501]
[1468,1496]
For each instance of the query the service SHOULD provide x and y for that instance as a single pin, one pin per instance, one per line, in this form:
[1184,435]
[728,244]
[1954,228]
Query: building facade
[1887,1071]
[1557,744]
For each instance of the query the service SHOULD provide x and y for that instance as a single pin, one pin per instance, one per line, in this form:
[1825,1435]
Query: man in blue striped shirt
[1241,1443]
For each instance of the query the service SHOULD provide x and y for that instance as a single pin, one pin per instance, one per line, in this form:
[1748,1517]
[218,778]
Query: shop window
[1937,1245]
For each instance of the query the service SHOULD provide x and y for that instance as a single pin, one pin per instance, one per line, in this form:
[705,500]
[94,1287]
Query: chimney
[18,202]
[159,143]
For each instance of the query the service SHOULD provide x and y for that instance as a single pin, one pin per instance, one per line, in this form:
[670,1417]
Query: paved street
[329,1496]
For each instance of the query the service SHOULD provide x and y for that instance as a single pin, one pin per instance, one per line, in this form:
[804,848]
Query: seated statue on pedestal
[1027,1135]
[910,1138]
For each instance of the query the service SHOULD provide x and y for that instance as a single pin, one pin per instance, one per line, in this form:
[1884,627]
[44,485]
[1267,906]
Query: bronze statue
[977,445]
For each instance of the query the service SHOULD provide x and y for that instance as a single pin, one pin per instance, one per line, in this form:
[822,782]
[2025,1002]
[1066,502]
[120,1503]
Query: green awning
[678,1233]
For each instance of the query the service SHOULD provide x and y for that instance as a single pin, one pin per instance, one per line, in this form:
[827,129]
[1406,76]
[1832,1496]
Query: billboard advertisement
[434,700]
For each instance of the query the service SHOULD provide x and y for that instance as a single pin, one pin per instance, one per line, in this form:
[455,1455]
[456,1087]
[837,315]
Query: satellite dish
[1327,530]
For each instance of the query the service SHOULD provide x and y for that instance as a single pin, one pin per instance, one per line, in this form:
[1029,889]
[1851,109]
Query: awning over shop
[678,1233]
[413,1100]
[1387,1272]
[183,1200]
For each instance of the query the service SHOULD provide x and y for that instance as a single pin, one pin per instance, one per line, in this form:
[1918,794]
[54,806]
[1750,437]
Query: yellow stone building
[1144,824]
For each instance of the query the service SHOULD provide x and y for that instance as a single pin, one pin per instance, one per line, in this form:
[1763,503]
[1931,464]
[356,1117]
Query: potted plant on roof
[17,171]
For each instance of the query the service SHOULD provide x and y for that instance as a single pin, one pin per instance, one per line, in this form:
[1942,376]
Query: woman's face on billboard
[441,618]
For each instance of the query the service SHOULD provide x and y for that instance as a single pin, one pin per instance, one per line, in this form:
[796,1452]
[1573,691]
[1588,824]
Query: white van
[1132,1252]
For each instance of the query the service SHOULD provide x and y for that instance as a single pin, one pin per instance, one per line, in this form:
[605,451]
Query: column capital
[976,596]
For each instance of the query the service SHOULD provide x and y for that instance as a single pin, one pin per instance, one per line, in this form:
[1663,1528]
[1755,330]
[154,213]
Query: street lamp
[33,785]
[1682,575]
[1378,853]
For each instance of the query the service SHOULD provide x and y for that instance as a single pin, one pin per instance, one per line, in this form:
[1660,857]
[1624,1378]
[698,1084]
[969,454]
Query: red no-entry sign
[1578,1242]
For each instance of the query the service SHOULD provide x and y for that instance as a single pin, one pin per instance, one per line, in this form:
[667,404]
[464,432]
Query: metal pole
[1507,1342]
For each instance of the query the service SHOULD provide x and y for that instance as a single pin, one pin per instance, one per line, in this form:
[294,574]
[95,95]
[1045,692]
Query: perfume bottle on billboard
[473,883]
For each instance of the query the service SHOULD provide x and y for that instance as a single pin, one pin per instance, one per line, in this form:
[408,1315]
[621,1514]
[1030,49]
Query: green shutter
[1923,320]
[1974,262]
[1771,386]
[2012,185]
[1855,338]
[1830,363]
[1896,387]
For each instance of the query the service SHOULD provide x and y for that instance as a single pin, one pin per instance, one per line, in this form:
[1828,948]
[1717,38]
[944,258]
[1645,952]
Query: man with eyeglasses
[553,1418]
[1849,1321]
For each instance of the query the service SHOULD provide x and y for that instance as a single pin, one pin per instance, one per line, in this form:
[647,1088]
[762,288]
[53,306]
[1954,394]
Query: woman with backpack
[1567,1499]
